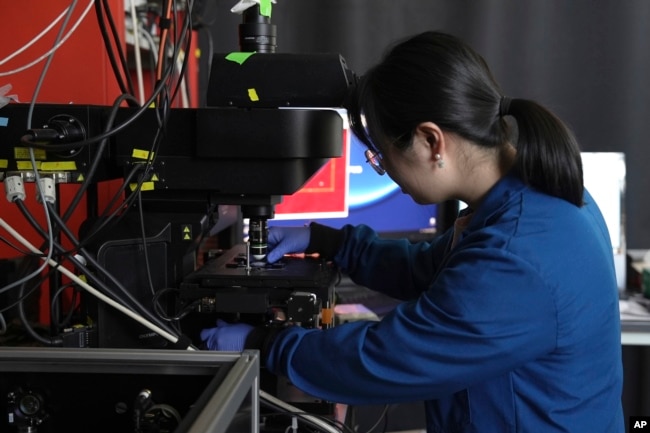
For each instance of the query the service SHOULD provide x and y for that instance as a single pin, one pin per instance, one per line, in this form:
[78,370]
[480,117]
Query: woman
[510,320]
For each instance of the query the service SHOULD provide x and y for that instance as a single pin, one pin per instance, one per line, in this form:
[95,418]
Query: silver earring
[438,158]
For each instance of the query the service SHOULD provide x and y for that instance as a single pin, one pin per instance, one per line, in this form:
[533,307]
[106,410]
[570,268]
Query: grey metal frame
[215,416]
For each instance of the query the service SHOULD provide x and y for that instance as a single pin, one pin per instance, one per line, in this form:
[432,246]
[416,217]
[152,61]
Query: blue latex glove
[285,240]
[226,337]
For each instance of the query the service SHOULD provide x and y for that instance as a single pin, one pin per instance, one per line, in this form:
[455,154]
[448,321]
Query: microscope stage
[229,270]
[225,284]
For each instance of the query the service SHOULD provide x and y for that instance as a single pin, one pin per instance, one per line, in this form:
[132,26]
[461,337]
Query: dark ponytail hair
[435,77]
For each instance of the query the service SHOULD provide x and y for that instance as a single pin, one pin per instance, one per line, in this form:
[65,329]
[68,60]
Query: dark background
[587,60]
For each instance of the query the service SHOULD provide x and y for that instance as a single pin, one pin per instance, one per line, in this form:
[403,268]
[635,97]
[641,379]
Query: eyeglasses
[374,159]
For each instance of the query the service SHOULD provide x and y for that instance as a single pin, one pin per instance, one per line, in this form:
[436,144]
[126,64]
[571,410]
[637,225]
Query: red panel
[79,73]
[324,195]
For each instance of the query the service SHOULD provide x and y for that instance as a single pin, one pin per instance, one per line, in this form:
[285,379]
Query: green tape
[238,57]
[265,8]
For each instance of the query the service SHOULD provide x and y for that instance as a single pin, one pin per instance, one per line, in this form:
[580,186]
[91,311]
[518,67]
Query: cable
[109,51]
[131,301]
[182,87]
[35,39]
[277,404]
[28,141]
[37,179]
[90,174]
[22,297]
[164,24]
[145,34]
[188,44]
[383,416]
[178,316]
[184,34]
[106,217]
[14,247]
[117,38]
[3,324]
[135,23]
[89,288]
[210,51]
[56,47]
[24,279]
[25,320]
[145,250]
[159,90]
[73,302]
[39,84]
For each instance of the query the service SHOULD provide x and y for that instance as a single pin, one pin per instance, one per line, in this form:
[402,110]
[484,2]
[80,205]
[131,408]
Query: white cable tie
[14,188]
[47,190]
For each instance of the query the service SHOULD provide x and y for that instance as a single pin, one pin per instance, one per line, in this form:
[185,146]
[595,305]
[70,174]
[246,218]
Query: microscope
[272,120]
[280,125]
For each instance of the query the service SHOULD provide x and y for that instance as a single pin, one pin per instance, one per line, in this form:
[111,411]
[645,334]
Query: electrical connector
[14,188]
[61,128]
[48,190]
[79,336]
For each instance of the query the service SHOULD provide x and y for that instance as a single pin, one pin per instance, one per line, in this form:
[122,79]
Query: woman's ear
[434,138]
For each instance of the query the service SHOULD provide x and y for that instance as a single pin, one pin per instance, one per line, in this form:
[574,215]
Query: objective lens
[258,234]
[256,33]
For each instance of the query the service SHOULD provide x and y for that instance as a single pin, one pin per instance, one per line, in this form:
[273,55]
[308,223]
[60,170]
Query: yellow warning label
[59,166]
[146,186]
[27,165]
[141,154]
[23,153]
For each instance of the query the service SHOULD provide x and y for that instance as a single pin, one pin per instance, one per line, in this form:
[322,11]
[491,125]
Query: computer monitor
[604,178]
[371,199]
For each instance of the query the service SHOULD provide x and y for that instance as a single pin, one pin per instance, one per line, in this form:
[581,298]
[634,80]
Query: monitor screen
[373,200]
[604,177]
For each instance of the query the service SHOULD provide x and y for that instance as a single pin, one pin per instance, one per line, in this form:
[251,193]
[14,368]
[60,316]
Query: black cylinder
[256,33]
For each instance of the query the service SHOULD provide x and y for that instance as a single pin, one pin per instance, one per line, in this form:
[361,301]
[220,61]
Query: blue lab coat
[515,329]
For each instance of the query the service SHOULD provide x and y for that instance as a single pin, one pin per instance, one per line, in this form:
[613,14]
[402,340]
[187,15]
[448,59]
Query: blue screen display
[376,201]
